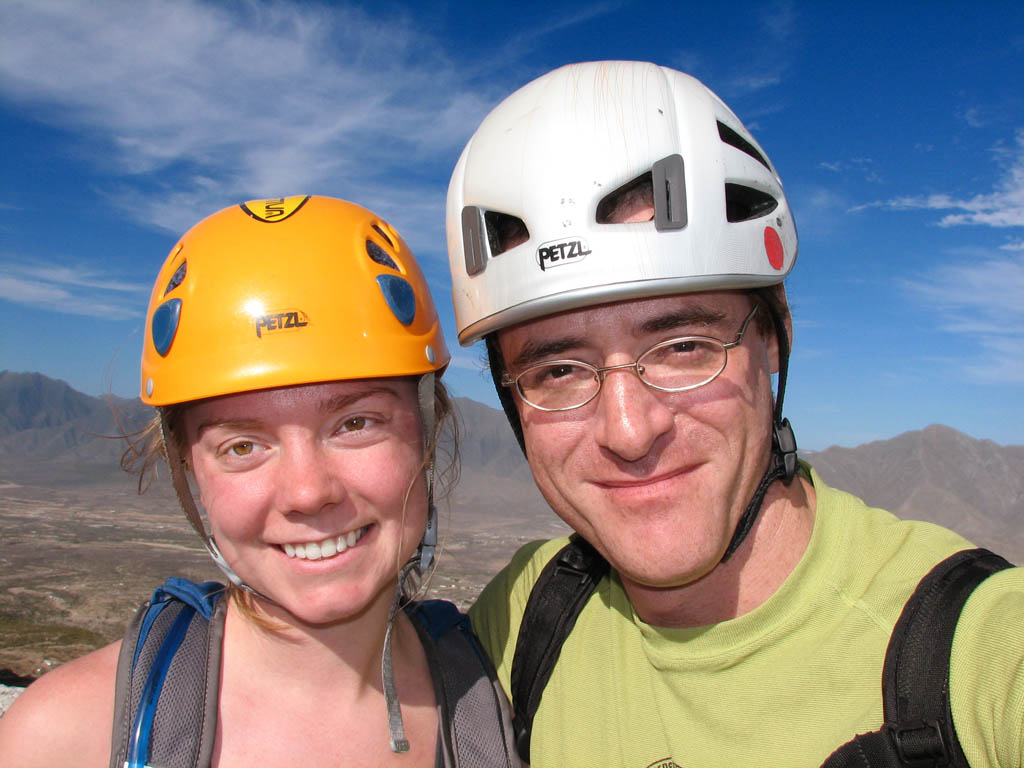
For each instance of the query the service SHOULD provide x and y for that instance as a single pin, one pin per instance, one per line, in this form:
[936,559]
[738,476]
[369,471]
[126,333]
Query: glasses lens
[685,363]
[558,385]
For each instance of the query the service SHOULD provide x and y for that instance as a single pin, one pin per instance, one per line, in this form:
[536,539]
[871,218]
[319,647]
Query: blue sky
[897,128]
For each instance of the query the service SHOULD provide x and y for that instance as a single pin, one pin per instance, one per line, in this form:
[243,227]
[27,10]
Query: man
[620,240]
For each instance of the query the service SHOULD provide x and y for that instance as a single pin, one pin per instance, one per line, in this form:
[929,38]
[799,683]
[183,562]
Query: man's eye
[556,375]
[241,449]
[560,371]
[682,347]
[354,424]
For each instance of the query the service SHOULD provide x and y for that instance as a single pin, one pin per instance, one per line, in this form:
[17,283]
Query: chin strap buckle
[785,450]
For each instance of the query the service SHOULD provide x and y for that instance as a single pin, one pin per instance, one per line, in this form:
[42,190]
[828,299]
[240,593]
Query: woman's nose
[306,482]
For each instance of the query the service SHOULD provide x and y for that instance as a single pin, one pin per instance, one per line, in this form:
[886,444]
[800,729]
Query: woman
[293,353]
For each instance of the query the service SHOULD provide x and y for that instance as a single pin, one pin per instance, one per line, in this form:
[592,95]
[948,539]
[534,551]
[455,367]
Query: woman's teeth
[318,550]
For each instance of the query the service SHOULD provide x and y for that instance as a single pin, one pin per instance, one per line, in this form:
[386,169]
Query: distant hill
[51,434]
[975,487]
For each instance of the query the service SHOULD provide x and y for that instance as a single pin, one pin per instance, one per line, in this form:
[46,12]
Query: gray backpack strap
[475,721]
[168,675]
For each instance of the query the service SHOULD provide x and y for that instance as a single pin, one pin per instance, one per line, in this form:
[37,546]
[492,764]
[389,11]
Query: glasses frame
[601,372]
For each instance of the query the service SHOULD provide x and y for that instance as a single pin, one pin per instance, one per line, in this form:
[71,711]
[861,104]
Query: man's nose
[630,415]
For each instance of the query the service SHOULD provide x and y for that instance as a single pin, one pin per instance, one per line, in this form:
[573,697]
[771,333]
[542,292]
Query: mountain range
[53,436]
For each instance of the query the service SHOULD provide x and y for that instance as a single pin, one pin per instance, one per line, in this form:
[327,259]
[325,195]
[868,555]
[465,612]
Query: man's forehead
[629,317]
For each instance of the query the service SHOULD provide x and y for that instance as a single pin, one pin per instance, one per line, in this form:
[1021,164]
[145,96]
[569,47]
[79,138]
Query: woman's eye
[354,424]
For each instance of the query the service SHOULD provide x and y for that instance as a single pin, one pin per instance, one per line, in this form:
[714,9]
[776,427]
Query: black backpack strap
[168,675]
[555,602]
[918,729]
[476,724]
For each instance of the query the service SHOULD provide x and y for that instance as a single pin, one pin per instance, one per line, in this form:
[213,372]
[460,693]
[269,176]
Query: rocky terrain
[81,548]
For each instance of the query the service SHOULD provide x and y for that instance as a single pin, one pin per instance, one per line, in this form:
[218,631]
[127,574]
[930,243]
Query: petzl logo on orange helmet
[279,321]
[275,209]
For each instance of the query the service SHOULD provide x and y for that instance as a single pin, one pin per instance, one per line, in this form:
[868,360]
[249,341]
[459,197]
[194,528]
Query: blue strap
[202,597]
[438,616]
[138,747]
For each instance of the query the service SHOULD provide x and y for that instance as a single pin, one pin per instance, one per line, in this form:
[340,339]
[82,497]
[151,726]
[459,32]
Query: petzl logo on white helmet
[556,253]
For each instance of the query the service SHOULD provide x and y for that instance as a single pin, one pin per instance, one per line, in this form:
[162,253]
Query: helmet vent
[379,255]
[384,234]
[164,325]
[620,204]
[177,278]
[400,297]
[733,139]
[504,231]
[746,203]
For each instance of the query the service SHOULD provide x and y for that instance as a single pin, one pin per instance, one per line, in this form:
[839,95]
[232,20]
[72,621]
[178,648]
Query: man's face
[655,480]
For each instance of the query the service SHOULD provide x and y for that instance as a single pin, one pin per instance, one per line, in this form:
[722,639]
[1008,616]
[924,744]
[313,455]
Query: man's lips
[627,483]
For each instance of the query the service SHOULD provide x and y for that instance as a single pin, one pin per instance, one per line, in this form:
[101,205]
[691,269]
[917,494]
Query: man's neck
[750,577]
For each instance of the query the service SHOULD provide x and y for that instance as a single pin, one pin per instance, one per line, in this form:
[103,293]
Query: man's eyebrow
[687,317]
[535,351]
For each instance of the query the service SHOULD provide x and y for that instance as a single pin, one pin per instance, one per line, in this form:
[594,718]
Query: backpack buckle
[920,744]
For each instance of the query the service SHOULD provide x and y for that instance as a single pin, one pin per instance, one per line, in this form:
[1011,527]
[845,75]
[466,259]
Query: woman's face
[305,490]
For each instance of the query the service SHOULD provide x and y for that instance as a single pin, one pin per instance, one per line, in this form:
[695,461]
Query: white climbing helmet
[544,160]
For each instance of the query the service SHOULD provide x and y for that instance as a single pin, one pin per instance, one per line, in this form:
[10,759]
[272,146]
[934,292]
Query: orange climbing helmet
[287,291]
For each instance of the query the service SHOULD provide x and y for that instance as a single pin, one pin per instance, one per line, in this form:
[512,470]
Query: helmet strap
[508,404]
[420,562]
[428,415]
[783,462]
[188,505]
[396,729]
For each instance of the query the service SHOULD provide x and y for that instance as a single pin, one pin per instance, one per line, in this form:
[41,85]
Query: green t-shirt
[783,685]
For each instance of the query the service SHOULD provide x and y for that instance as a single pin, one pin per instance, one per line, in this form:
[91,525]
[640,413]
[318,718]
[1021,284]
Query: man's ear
[772,341]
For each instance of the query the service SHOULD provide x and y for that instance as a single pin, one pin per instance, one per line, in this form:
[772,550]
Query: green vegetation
[23,633]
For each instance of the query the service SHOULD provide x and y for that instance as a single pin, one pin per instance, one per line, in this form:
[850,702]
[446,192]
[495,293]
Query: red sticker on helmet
[773,247]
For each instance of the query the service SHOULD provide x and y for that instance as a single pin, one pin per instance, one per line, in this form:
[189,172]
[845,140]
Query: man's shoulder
[522,571]
[864,521]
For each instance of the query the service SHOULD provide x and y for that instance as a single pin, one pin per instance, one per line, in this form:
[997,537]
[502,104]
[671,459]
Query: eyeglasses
[673,365]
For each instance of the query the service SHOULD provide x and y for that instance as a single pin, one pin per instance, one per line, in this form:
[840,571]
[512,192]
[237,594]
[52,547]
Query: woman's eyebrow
[341,401]
[233,424]
[330,405]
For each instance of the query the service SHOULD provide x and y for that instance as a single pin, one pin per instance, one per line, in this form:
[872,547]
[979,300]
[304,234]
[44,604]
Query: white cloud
[980,304]
[201,104]
[766,66]
[463,359]
[1003,207]
[70,291]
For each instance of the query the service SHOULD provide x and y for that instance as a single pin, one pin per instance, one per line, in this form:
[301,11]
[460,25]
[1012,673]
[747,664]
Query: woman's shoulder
[65,717]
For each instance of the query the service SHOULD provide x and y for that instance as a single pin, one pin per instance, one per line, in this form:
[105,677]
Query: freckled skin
[274,467]
[289,465]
